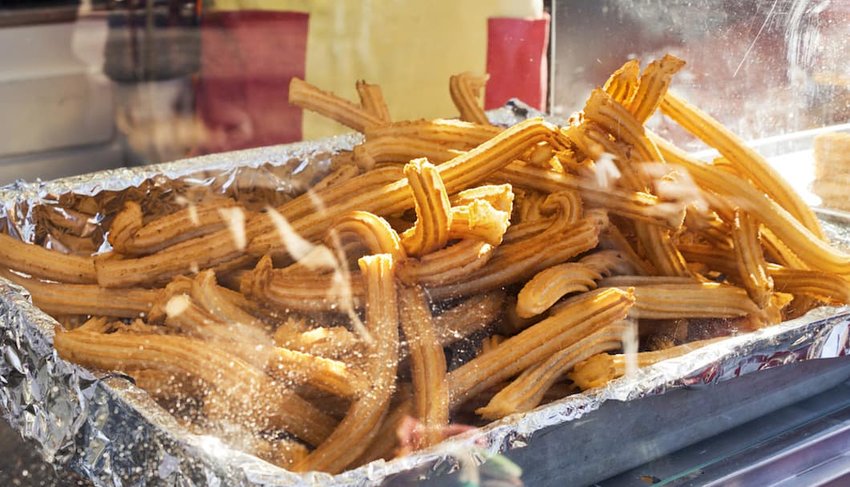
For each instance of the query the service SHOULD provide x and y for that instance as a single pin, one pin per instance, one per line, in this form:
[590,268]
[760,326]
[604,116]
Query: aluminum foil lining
[106,431]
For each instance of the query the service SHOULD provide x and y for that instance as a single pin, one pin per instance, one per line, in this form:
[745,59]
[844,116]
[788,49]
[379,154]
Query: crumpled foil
[108,432]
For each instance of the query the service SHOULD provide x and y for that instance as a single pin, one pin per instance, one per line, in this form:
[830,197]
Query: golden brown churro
[371,232]
[603,368]
[291,291]
[465,89]
[455,134]
[427,364]
[87,299]
[433,210]
[526,391]
[544,244]
[237,385]
[653,85]
[622,85]
[749,257]
[309,97]
[799,239]
[592,310]
[360,425]
[698,300]
[744,159]
[45,264]
[372,100]
[135,238]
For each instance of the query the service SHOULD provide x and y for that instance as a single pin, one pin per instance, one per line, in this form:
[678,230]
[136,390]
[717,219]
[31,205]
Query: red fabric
[516,61]
[247,60]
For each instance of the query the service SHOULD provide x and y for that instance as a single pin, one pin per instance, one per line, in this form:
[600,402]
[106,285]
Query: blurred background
[94,84]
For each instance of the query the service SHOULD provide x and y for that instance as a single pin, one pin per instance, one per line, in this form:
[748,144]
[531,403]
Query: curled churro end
[550,285]
[433,210]
[302,291]
[370,232]
[446,266]
[465,90]
[360,425]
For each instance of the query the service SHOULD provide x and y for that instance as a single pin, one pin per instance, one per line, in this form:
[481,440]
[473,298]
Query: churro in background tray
[406,303]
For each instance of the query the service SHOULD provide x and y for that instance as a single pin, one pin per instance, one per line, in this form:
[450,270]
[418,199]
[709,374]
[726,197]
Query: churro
[591,310]
[360,425]
[465,90]
[427,364]
[433,209]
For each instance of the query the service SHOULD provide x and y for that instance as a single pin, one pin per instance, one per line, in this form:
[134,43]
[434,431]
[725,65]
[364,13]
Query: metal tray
[110,433]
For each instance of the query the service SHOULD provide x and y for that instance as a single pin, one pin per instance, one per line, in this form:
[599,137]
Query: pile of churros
[442,272]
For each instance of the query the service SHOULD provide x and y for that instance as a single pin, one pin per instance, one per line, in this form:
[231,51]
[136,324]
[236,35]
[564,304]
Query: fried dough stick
[448,265]
[360,425]
[130,236]
[653,85]
[800,240]
[588,311]
[697,300]
[820,285]
[636,206]
[291,291]
[479,220]
[749,258]
[520,260]
[616,120]
[198,253]
[473,314]
[400,150]
[311,98]
[251,343]
[43,263]
[370,232]
[427,364]
[221,302]
[460,173]
[527,391]
[243,391]
[553,283]
[455,134]
[603,368]
[622,85]
[433,209]
[745,160]
[465,89]
[372,100]
[85,299]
